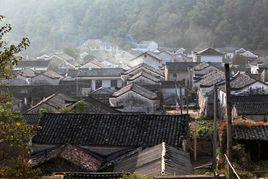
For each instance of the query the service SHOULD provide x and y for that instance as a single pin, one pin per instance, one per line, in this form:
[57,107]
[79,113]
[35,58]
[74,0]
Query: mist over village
[134,89]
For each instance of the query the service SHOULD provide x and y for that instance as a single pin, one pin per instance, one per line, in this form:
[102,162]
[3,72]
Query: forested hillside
[52,24]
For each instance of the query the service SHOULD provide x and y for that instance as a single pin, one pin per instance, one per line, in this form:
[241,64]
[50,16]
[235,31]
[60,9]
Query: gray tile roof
[33,63]
[132,130]
[212,78]
[145,75]
[251,105]
[30,118]
[143,65]
[137,89]
[250,132]
[209,51]
[79,157]
[96,72]
[239,81]
[153,161]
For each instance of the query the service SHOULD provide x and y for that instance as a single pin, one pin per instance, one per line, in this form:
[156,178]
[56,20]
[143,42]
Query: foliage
[202,128]
[69,50]
[173,23]
[80,107]
[14,135]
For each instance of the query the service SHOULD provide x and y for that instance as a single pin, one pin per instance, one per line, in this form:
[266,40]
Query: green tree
[14,135]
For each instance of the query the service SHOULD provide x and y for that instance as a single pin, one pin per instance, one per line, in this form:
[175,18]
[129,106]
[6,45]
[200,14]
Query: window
[98,84]
[114,83]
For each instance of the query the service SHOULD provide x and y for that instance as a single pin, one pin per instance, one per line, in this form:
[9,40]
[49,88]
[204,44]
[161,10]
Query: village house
[46,78]
[253,107]
[171,91]
[142,68]
[254,137]
[179,71]
[166,56]
[100,133]
[148,58]
[35,65]
[102,94]
[205,92]
[263,71]
[52,104]
[241,85]
[208,55]
[135,98]
[229,52]
[202,69]
[96,78]
[157,160]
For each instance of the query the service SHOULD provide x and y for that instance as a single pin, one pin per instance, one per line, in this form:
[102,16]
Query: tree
[14,135]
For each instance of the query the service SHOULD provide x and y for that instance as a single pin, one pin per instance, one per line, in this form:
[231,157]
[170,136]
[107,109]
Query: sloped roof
[240,81]
[148,67]
[52,74]
[251,105]
[250,132]
[212,78]
[180,66]
[149,54]
[112,129]
[30,118]
[158,160]
[56,101]
[264,65]
[209,51]
[96,72]
[27,73]
[73,154]
[137,89]
[33,63]
[145,75]
[94,106]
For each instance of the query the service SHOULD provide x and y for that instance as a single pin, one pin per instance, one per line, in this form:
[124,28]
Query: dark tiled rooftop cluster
[250,133]
[112,129]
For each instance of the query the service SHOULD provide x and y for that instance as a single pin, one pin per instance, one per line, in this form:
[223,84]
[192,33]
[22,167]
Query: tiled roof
[56,101]
[94,106]
[30,118]
[201,66]
[75,155]
[251,105]
[250,132]
[96,72]
[209,51]
[212,78]
[264,65]
[148,53]
[52,74]
[143,65]
[137,89]
[145,75]
[239,81]
[112,129]
[27,72]
[158,160]
[33,63]
[180,66]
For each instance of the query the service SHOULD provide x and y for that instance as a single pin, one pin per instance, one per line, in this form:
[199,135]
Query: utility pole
[215,129]
[181,102]
[229,118]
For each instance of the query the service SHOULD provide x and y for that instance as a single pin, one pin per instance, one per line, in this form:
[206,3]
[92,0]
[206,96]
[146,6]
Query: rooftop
[154,161]
[33,63]
[96,72]
[209,51]
[137,89]
[250,132]
[112,129]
